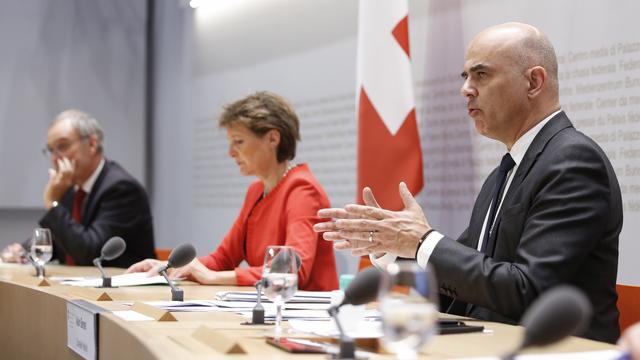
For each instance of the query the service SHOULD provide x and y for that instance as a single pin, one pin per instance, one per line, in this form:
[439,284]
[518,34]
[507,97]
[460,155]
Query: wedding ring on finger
[370,236]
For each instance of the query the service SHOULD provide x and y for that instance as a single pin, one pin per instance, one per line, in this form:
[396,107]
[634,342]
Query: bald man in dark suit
[551,213]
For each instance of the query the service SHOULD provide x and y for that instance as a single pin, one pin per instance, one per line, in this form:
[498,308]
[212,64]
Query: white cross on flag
[388,141]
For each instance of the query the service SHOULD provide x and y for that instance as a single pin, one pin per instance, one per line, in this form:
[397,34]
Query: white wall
[58,55]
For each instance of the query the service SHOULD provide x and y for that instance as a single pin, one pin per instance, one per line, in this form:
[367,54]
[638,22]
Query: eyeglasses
[61,148]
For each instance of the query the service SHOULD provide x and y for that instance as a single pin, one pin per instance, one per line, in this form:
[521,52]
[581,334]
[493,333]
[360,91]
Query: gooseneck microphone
[180,256]
[362,289]
[113,248]
[257,314]
[560,312]
[32,261]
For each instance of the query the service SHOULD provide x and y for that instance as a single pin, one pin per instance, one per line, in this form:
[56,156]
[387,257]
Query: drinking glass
[280,275]
[408,299]
[41,248]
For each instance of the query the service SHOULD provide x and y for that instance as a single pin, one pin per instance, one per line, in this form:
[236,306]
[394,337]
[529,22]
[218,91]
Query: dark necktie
[76,214]
[506,165]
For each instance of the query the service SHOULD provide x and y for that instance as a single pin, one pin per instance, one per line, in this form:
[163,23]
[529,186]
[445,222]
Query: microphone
[362,289]
[113,248]
[32,261]
[560,312]
[180,256]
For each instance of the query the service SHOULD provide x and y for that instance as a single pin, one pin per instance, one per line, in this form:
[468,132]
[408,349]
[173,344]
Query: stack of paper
[183,306]
[290,311]
[323,297]
[133,279]
[308,305]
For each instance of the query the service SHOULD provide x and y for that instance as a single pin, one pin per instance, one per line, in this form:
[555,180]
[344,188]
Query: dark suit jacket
[559,223]
[116,206]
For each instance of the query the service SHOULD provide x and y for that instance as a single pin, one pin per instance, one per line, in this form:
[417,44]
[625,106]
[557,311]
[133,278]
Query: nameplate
[82,328]
[218,340]
[153,312]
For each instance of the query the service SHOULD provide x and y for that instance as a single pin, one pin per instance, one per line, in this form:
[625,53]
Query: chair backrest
[628,305]
[163,253]
[364,263]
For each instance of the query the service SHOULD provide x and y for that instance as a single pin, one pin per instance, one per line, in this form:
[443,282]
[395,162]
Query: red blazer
[284,217]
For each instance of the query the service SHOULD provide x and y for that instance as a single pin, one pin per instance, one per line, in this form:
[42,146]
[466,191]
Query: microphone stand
[39,268]
[176,294]
[106,279]
[257,316]
[347,345]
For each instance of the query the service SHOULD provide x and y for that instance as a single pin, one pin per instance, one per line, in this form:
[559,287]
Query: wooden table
[33,320]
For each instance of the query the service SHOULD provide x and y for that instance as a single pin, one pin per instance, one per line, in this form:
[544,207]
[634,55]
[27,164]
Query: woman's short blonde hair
[264,111]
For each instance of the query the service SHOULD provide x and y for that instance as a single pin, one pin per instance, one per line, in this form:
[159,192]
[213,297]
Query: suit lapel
[89,206]
[480,210]
[555,125]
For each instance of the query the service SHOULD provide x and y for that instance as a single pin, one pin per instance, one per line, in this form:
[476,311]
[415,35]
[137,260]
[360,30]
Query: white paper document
[130,315]
[323,297]
[67,278]
[241,307]
[270,314]
[133,279]
[289,306]
[11,265]
[185,306]
[363,329]
[586,355]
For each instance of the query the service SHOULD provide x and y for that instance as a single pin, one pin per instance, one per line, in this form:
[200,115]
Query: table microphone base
[257,317]
[177,295]
[39,271]
[347,350]
[106,283]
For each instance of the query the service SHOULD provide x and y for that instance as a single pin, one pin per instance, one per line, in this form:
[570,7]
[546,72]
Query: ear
[93,143]
[537,77]
[273,136]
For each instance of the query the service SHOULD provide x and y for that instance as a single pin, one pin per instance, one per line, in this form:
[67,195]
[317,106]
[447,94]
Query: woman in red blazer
[279,208]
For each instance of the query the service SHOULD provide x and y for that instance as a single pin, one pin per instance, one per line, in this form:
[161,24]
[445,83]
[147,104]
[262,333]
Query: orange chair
[365,262]
[628,305]
[163,253]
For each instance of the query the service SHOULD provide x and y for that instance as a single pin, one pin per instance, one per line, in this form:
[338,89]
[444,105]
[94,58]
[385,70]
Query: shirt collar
[88,185]
[521,145]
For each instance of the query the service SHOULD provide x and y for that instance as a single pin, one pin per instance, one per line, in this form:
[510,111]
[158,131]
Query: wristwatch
[422,239]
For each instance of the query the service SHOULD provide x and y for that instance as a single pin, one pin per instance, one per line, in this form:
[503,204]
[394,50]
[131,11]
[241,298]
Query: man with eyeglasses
[88,198]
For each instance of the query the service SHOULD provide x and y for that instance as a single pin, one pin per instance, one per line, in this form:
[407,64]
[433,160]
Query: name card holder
[152,311]
[33,281]
[91,294]
[82,328]
[218,340]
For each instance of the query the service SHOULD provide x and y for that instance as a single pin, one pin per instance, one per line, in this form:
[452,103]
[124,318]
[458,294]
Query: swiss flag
[388,141]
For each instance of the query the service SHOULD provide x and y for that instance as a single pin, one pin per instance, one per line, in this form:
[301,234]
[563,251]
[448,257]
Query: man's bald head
[525,45]
[511,80]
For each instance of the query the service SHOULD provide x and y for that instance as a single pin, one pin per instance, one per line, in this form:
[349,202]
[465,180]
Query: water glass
[280,275]
[41,248]
[408,299]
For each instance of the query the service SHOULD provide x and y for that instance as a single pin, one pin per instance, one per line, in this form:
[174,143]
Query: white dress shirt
[517,152]
[88,184]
